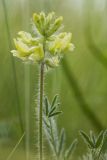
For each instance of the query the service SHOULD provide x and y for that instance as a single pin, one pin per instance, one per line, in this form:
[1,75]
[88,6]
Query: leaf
[92,138]
[104,145]
[61,142]
[86,139]
[99,139]
[52,110]
[54,100]
[56,105]
[46,123]
[47,105]
[70,150]
[54,114]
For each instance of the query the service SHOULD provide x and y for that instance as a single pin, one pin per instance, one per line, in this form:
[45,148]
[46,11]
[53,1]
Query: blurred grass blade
[80,98]
[95,51]
[16,146]
[13,66]
[93,47]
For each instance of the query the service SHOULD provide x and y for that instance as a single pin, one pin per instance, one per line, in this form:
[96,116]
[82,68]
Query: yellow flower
[48,44]
[17,54]
[28,48]
[38,54]
[61,43]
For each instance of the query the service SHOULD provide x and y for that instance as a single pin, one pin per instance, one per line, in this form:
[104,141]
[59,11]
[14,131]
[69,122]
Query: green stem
[41,110]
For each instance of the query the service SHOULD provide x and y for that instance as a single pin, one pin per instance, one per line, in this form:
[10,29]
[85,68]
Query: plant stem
[41,110]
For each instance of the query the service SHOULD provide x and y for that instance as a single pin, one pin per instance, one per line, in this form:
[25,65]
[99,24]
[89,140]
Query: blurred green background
[81,79]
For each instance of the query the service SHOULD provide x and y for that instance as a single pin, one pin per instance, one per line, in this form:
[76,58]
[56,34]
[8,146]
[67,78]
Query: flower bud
[42,17]
[57,24]
[36,20]
[52,62]
[49,18]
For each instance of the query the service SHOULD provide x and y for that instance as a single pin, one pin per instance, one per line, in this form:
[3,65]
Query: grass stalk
[13,67]
[27,79]
[16,146]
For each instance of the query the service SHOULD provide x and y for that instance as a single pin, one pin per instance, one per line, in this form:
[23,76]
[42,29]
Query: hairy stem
[41,110]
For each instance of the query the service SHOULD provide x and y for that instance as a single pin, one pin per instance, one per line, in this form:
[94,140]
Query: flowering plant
[46,46]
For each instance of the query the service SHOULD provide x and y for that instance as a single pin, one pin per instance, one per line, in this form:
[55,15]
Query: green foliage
[94,143]
[51,110]
[89,156]
[56,139]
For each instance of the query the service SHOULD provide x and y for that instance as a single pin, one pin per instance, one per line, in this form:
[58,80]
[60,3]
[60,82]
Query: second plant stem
[41,110]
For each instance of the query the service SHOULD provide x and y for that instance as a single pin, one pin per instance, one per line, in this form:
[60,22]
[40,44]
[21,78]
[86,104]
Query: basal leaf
[70,150]
[92,138]
[100,139]
[87,139]
[61,142]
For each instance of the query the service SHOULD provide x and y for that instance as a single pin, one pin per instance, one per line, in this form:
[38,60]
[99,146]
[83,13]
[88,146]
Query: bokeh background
[81,79]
